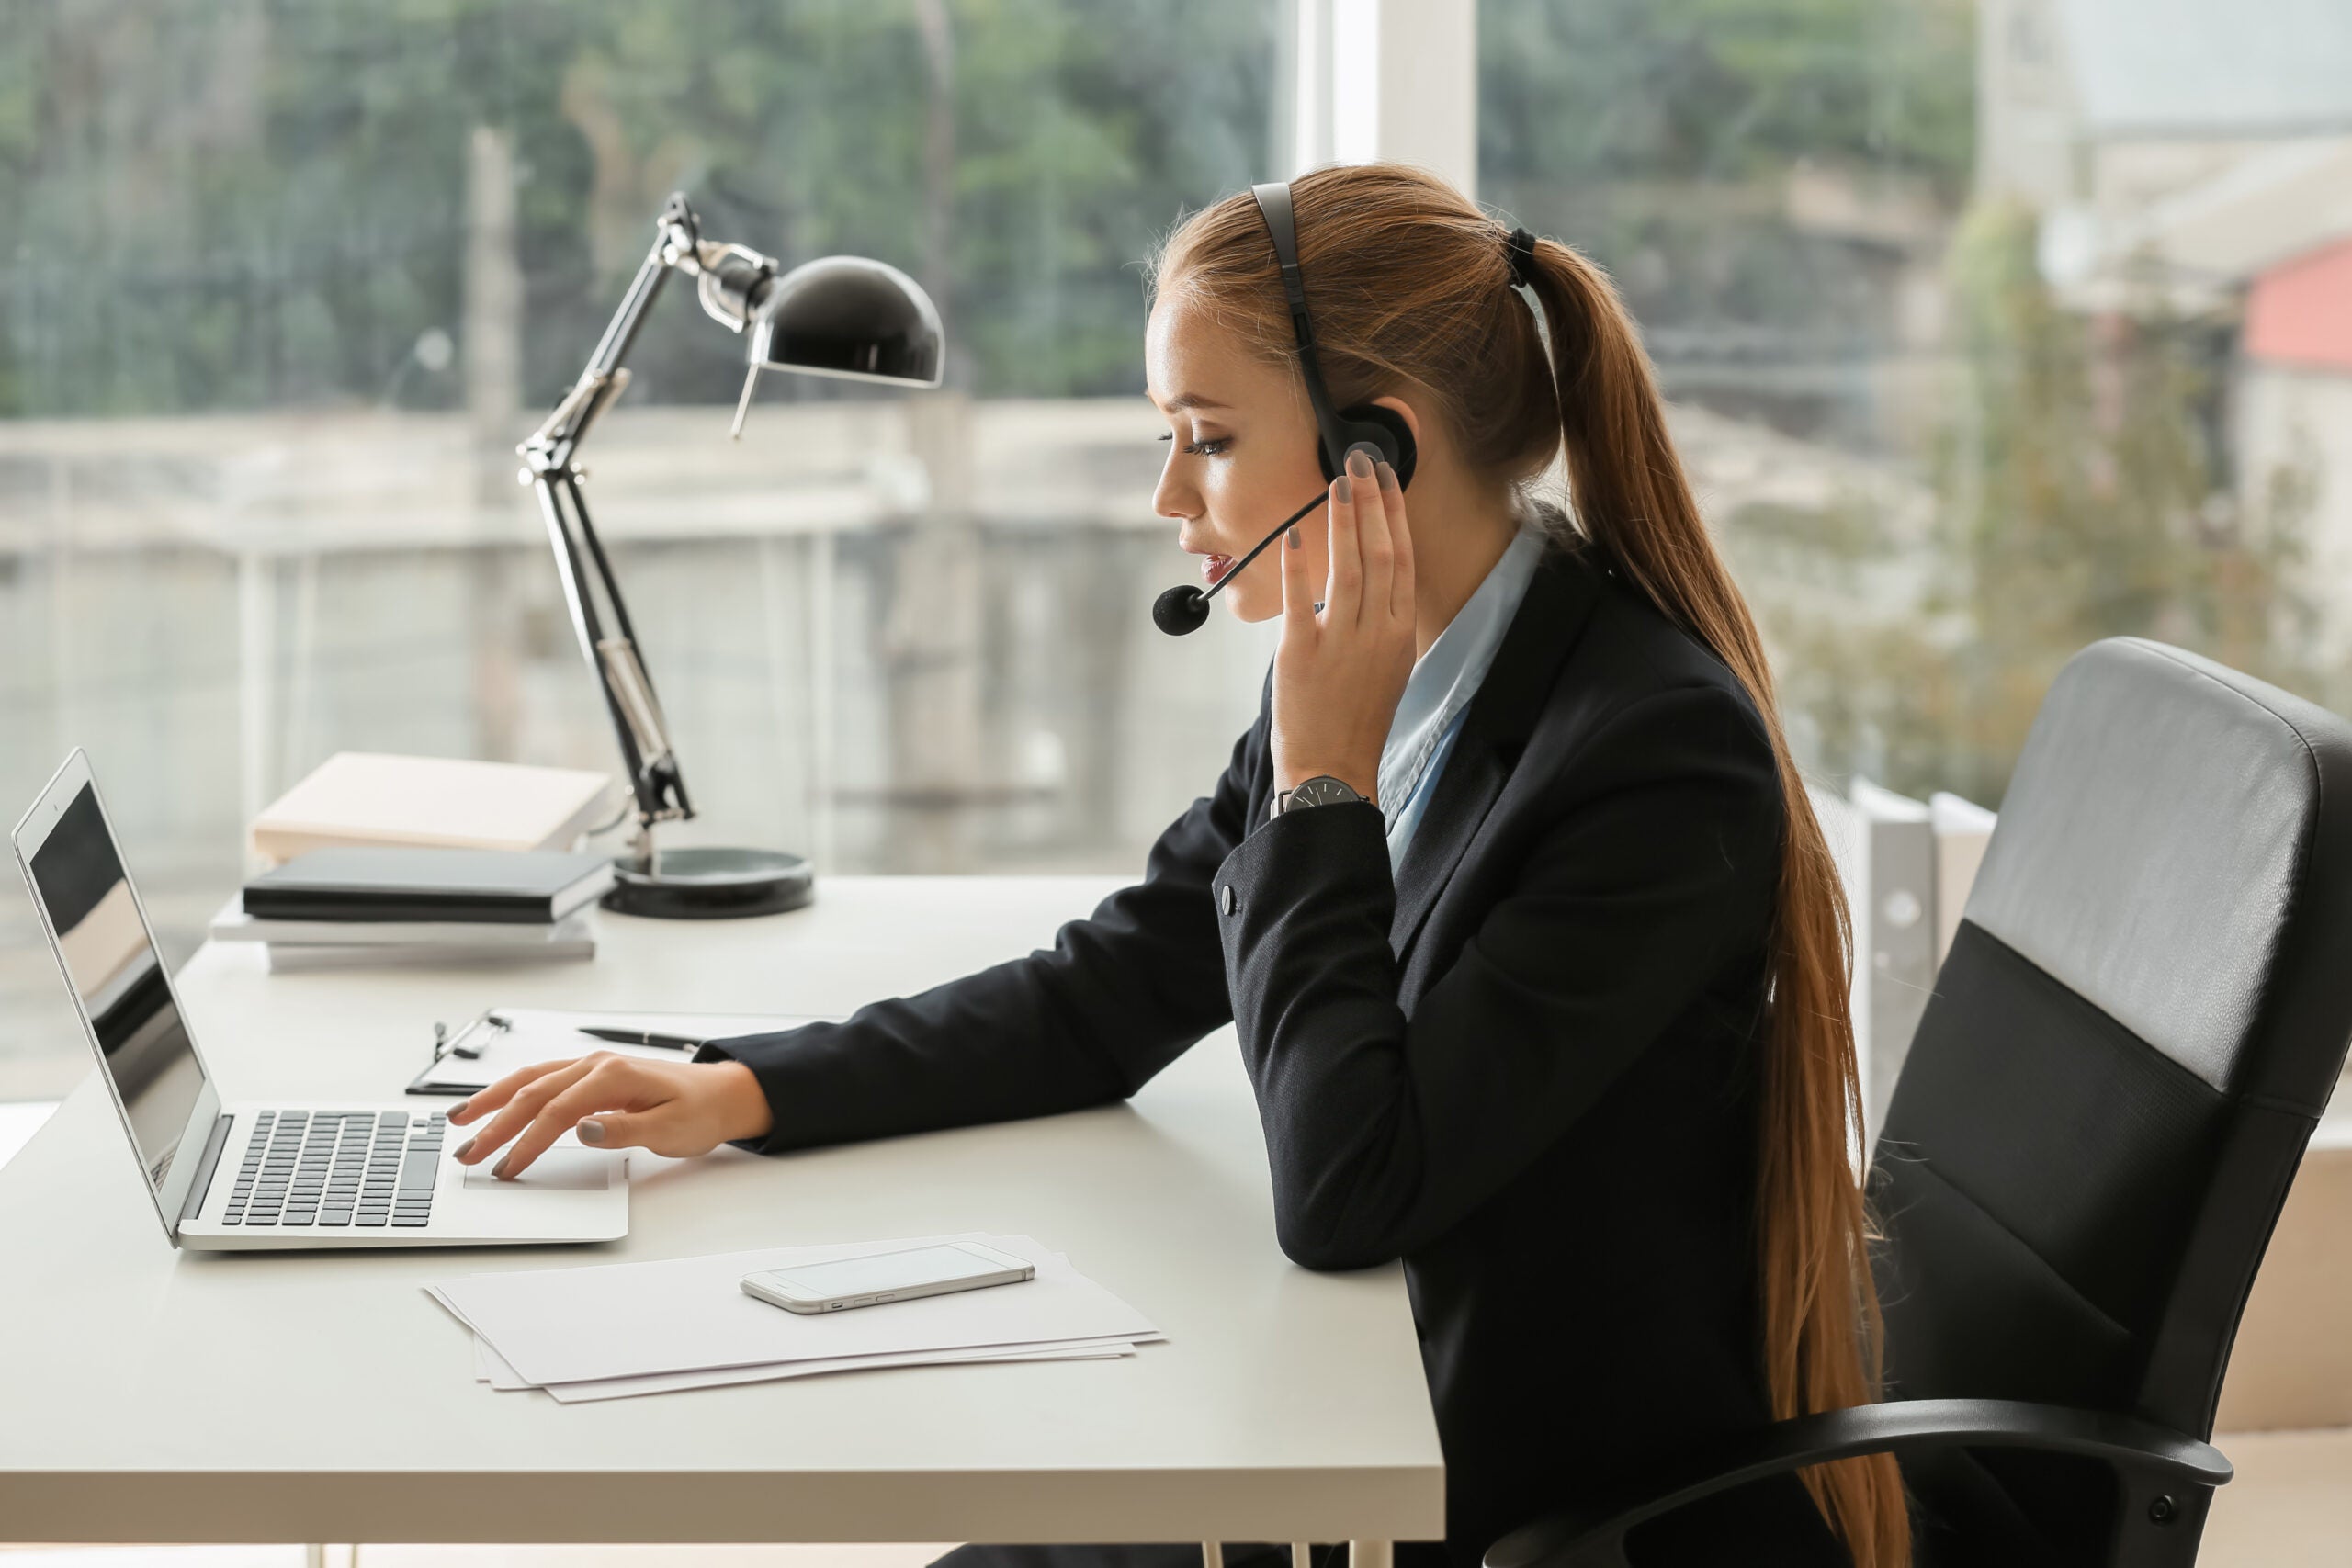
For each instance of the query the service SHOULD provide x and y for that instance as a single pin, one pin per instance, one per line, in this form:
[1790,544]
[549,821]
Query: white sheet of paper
[491,1369]
[549,1034]
[622,1320]
[675,1382]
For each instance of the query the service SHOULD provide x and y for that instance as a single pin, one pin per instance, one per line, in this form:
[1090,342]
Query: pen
[643,1037]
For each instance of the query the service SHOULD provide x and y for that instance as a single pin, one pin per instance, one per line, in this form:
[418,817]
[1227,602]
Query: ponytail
[1409,283]
[1820,1319]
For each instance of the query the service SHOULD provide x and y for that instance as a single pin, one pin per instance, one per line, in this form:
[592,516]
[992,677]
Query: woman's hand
[1339,672]
[617,1102]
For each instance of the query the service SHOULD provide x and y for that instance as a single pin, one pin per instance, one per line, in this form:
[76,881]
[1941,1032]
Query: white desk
[146,1395]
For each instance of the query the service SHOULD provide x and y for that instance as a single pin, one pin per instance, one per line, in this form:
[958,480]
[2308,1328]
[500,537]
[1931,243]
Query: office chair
[2139,1023]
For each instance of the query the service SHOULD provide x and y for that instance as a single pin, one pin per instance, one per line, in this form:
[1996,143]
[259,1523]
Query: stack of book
[363,905]
[451,803]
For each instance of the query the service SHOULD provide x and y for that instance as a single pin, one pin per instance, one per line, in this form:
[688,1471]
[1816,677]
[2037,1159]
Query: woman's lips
[1215,566]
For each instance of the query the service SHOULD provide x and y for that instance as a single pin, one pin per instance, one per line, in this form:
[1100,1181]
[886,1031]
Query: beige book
[367,797]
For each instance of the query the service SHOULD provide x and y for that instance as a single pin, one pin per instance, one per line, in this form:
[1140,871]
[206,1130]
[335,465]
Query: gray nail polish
[1387,477]
[592,1132]
[498,1171]
[1359,463]
[464,1147]
[1339,489]
[1294,538]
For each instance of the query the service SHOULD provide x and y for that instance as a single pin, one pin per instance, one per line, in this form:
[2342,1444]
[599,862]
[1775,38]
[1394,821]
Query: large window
[285,282]
[1990,327]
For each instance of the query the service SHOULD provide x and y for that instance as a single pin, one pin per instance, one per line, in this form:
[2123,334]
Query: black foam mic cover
[1180,610]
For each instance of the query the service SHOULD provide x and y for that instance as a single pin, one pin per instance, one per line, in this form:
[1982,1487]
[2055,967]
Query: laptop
[275,1175]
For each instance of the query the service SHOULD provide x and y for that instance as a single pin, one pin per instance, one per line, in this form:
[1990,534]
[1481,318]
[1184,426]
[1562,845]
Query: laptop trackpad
[557,1170]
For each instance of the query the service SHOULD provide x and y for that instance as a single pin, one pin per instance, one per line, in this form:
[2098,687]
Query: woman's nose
[1172,497]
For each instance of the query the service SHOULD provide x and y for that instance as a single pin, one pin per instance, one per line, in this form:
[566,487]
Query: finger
[611,1087]
[1372,532]
[499,1093]
[1400,535]
[1298,594]
[1343,578]
[519,1110]
[650,1128]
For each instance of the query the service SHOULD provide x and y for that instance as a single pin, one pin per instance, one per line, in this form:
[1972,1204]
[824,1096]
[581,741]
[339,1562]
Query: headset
[1383,429]
[1365,424]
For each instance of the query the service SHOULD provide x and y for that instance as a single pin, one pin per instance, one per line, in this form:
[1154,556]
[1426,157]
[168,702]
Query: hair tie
[1520,249]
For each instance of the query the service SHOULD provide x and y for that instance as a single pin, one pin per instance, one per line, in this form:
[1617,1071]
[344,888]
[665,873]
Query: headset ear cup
[1386,428]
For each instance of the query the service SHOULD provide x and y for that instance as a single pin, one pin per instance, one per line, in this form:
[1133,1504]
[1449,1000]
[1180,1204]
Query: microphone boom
[1186,609]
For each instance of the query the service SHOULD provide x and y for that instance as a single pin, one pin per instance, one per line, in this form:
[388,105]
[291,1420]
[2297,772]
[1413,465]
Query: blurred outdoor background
[1990,329]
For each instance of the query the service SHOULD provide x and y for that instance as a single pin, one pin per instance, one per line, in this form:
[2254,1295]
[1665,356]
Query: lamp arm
[630,701]
[603,380]
[548,455]
[730,280]
[675,234]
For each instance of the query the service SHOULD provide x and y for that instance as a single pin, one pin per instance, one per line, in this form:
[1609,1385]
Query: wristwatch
[1320,790]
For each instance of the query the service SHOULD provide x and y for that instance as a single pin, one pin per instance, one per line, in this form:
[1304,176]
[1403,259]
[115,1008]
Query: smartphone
[880,1277]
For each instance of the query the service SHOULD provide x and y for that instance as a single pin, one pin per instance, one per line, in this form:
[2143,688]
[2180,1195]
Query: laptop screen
[119,980]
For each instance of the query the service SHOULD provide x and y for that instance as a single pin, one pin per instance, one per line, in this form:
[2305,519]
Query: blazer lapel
[1494,731]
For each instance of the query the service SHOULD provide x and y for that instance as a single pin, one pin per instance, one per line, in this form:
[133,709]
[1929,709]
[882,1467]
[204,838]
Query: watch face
[1323,791]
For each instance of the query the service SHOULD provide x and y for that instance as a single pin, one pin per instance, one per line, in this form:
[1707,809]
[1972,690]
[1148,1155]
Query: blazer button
[1225,897]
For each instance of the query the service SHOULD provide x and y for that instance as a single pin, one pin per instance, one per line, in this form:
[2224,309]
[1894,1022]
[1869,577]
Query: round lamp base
[697,884]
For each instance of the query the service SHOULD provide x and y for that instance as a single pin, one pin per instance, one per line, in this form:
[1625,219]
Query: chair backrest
[2141,1018]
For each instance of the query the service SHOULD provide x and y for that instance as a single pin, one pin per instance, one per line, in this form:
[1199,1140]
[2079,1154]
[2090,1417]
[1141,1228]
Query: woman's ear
[1393,414]
[1412,420]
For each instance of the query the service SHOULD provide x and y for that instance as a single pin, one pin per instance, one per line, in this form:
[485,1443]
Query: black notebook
[378,883]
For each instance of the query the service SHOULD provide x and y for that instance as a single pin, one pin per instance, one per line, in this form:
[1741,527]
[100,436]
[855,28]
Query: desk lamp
[843,316]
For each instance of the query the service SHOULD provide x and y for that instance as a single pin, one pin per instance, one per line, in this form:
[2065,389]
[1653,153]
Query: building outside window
[1991,329]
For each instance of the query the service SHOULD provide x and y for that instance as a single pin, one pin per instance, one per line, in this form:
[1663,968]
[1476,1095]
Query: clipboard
[500,1039]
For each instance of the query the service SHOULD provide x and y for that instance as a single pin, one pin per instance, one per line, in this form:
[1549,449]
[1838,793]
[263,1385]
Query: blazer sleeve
[1120,995]
[1655,868]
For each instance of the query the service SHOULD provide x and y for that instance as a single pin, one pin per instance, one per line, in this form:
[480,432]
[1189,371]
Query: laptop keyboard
[355,1169]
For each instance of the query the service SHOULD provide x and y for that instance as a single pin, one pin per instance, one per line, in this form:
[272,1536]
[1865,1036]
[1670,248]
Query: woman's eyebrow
[1184,401]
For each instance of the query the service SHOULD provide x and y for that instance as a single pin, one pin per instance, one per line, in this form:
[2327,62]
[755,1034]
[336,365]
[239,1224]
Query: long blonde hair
[1408,282]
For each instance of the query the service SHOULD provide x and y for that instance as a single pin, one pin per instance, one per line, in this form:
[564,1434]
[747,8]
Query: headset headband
[1274,206]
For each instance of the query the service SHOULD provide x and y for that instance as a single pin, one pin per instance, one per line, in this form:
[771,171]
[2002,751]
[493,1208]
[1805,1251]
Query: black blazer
[1525,1064]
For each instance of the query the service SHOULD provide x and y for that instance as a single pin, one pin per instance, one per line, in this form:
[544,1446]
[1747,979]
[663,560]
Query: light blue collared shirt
[1438,693]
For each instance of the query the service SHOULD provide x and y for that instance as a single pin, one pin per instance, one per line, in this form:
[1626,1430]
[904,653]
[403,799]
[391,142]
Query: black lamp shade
[853,317]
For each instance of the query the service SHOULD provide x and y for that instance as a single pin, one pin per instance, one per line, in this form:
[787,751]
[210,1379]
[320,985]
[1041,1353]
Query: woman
[1555,1011]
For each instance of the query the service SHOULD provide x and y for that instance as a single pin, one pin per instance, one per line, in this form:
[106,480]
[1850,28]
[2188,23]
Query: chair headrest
[2164,811]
